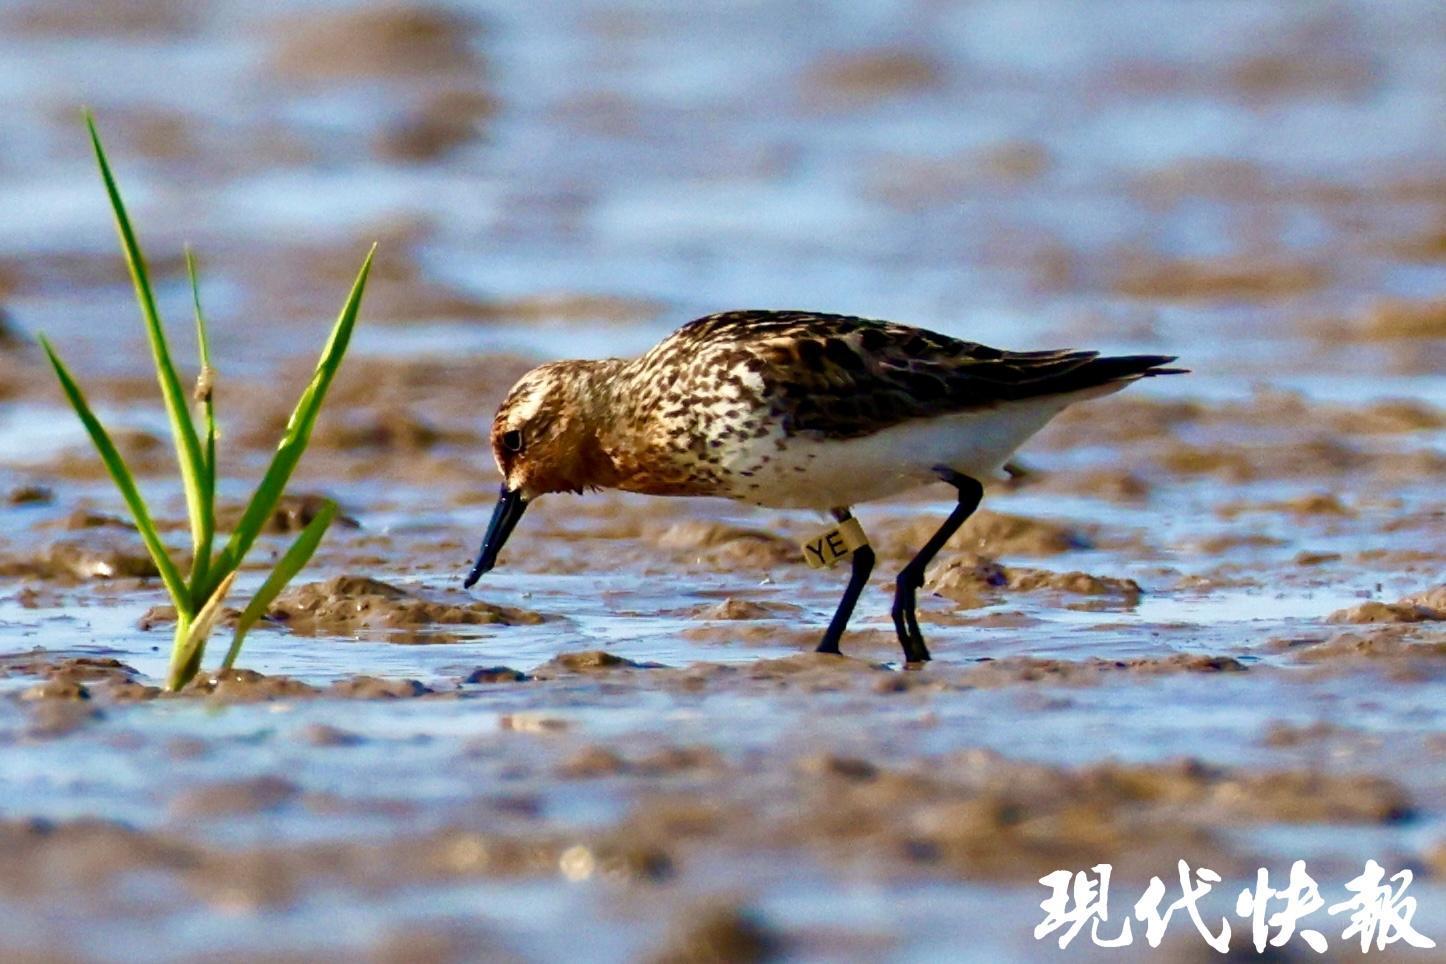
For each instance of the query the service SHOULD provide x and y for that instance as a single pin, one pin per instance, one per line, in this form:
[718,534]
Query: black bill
[510,506]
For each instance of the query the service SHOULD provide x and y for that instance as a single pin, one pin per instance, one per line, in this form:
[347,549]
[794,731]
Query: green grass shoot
[199,595]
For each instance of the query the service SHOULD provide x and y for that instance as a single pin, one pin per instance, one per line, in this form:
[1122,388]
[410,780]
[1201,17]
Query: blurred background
[1207,624]
[1258,187]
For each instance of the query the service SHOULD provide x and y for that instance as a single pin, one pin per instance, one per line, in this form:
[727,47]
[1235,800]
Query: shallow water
[1258,189]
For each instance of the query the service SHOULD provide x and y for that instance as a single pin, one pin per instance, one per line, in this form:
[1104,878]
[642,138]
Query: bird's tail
[1069,373]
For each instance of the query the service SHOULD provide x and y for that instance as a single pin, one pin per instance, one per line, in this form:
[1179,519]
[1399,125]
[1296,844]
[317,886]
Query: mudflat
[1206,622]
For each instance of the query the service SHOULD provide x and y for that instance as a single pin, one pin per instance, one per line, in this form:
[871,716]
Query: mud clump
[97,555]
[11,340]
[346,605]
[442,121]
[149,19]
[1319,503]
[1116,485]
[806,672]
[1381,612]
[42,858]
[568,306]
[496,674]
[393,430]
[395,40]
[1392,416]
[80,520]
[591,762]
[532,723]
[717,933]
[976,580]
[30,495]
[809,665]
[1000,533]
[1313,458]
[379,688]
[1193,664]
[145,454]
[1430,246]
[1434,598]
[50,719]
[130,692]
[596,760]
[446,943]
[986,532]
[968,578]
[1031,669]
[1076,583]
[1282,734]
[248,686]
[1217,280]
[727,547]
[864,77]
[87,678]
[405,293]
[1403,649]
[293,512]
[1312,504]
[831,765]
[163,614]
[1301,796]
[326,735]
[1274,75]
[51,665]
[1428,606]
[734,609]
[591,660]
[234,797]
[997,532]
[1406,319]
[588,661]
[69,690]
[58,687]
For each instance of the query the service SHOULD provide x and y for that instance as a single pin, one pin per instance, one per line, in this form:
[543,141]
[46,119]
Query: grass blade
[191,638]
[124,481]
[205,385]
[296,557]
[188,446]
[298,431]
[198,600]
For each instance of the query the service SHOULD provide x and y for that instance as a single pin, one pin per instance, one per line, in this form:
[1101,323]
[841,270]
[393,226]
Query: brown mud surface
[1203,619]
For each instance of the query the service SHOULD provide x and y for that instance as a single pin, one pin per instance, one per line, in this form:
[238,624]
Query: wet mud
[1200,621]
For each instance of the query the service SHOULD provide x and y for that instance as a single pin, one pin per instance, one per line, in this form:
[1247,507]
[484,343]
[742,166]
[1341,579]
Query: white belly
[815,474]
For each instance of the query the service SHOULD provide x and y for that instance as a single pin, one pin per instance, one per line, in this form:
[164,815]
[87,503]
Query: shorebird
[792,409]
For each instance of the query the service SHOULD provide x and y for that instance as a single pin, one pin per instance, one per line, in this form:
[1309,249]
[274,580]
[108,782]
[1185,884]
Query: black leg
[863,564]
[906,624]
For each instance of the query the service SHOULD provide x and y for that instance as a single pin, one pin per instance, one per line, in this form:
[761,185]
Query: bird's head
[544,438]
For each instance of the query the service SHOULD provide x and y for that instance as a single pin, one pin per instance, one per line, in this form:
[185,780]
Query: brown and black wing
[839,376]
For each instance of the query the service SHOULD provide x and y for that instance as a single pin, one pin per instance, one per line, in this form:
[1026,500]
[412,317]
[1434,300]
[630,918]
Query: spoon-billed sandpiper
[792,409]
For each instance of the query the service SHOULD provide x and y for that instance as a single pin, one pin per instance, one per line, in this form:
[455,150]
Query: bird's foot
[906,623]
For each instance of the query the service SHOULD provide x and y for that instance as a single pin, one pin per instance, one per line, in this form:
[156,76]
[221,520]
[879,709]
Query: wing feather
[838,376]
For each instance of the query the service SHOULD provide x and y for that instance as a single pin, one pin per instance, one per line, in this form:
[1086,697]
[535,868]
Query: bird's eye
[512,441]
